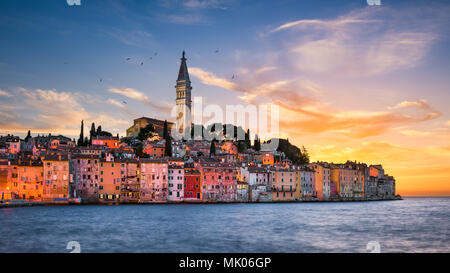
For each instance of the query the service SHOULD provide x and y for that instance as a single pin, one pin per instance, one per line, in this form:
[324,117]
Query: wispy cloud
[363,42]
[139,96]
[196,4]
[320,23]
[50,111]
[211,79]
[5,94]
[137,38]
[187,19]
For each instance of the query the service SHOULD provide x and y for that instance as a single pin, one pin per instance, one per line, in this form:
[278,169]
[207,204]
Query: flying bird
[156,53]
[101,80]
[124,102]
[233,77]
[142,63]
[128,59]
[217,51]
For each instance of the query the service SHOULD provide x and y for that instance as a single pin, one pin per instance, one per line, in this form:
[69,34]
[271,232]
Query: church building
[183,107]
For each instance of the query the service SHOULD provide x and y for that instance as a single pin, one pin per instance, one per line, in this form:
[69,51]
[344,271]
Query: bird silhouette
[233,77]
[217,51]
[142,63]
[128,59]
[156,53]
[124,102]
[101,80]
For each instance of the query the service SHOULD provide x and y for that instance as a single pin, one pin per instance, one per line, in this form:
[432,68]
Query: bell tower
[183,98]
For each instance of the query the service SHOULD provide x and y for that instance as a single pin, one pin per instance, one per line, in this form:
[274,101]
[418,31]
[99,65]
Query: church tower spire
[183,98]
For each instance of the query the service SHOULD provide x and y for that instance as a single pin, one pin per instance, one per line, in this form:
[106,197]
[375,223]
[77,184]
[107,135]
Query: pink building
[56,177]
[153,180]
[219,180]
[129,179]
[86,177]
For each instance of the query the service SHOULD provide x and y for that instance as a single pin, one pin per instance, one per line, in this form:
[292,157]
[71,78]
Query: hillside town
[148,165]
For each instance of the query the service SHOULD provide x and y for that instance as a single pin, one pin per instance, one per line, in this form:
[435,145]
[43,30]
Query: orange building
[8,180]
[30,174]
[154,149]
[267,158]
[110,142]
[56,177]
[109,186]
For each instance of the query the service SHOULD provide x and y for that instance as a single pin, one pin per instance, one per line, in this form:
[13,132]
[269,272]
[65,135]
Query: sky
[352,81]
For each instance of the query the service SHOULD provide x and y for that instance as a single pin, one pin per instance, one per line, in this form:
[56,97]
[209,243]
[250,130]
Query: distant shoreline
[51,204]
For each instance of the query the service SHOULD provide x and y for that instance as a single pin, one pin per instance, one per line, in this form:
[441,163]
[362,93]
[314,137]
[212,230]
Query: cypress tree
[81,139]
[28,137]
[212,149]
[166,136]
[257,144]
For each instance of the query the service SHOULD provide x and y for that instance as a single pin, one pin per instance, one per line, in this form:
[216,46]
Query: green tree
[92,133]
[212,149]
[145,132]
[257,144]
[28,137]
[166,136]
[81,139]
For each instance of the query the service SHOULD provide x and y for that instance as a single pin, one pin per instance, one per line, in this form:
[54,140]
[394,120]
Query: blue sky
[353,81]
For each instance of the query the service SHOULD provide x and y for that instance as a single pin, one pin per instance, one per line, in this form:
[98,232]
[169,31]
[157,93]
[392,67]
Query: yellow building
[109,186]
[344,179]
[283,184]
[30,174]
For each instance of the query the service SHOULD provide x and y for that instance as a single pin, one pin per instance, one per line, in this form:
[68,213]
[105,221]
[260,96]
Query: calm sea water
[411,225]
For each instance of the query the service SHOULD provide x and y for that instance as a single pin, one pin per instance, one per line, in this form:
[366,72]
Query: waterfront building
[308,183]
[56,177]
[227,182]
[154,180]
[8,180]
[283,184]
[208,168]
[30,180]
[322,176]
[176,182]
[192,184]
[86,177]
[129,180]
[109,186]
[242,192]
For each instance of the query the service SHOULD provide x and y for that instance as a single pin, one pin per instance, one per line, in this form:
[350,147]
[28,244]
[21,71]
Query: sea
[409,225]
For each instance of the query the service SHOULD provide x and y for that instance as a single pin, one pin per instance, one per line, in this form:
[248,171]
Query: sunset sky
[353,82]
